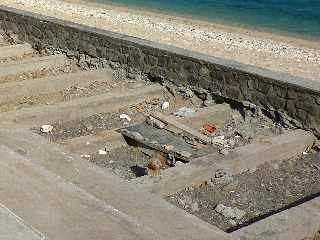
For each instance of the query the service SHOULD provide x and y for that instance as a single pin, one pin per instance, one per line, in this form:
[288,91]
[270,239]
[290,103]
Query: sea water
[294,17]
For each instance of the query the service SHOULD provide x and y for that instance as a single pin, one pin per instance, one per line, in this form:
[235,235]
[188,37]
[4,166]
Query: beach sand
[299,57]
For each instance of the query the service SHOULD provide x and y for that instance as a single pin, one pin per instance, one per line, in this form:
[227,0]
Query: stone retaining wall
[286,96]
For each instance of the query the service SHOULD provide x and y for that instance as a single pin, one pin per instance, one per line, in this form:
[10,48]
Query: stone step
[15,70]
[244,158]
[154,213]
[13,51]
[297,223]
[82,107]
[61,210]
[109,140]
[14,90]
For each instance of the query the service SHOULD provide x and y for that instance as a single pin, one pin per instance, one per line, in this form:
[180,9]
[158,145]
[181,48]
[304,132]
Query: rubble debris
[46,128]
[155,122]
[165,105]
[222,177]
[185,92]
[208,128]
[185,112]
[156,163]
[125,116]
[223,151]
[229,212]
[184,154]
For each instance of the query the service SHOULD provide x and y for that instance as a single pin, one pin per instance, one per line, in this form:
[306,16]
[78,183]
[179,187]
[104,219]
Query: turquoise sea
[293,17]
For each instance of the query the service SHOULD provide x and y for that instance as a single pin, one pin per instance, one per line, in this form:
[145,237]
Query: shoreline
[307,41]
[299,57]
[311,42]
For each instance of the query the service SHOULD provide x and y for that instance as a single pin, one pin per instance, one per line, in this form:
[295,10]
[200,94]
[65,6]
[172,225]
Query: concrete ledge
[297,223]
[241,159]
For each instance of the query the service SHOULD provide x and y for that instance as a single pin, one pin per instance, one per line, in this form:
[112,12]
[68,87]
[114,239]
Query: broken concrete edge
[298,97]
[242,159]
[296,223]
[103,185]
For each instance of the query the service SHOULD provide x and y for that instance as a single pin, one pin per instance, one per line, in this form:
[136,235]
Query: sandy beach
[276,52]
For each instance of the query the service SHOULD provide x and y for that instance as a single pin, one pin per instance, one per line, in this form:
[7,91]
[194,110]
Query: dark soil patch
[121,161]
[271,188]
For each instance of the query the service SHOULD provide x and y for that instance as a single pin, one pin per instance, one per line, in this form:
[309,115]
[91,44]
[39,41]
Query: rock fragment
[229,212]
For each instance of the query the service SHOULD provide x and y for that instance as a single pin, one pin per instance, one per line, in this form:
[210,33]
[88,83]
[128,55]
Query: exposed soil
[271,188]
[121,161]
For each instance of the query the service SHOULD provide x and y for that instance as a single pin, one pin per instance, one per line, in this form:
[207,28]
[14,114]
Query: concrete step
[61,210]
[109,139]
[14,228]
[13,51]
[15,70]
[297,223]
[151,211]
[241,159]
[83,107]
[15,90]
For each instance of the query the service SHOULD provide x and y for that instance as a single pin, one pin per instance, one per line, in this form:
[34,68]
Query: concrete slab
[297,223]
[17,50]
[241,159]
[13,90]
[16,68]
[217,115]
[82,107]
[14,228]
[61,210]
[172,122]
[165,219]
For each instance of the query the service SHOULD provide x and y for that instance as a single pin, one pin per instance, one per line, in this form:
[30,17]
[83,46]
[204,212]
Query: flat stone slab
[297,223]
[14,228]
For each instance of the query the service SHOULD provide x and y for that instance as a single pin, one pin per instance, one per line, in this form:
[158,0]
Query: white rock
[125,116]
[165,105]
[229,212]
[46,128]
[102,152]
